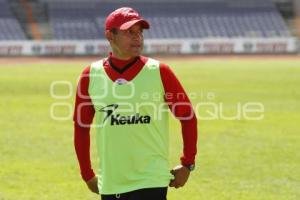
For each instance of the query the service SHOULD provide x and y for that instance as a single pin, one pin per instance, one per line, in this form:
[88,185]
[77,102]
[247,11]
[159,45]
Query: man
[131,125]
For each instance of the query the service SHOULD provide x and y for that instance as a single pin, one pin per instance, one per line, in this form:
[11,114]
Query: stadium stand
[169,19]
[10,28]
[84,19]
[73,21]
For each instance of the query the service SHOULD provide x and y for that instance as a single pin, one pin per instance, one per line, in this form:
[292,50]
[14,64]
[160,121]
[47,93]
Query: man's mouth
[136,46]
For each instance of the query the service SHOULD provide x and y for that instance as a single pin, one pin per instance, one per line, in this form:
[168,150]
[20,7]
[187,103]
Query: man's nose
[137,35]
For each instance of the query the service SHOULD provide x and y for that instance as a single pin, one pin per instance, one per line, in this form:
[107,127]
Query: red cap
[124,18]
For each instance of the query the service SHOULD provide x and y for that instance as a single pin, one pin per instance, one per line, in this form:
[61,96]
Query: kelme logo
[119,119]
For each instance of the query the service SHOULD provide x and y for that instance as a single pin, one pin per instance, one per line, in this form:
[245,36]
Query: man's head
[124,30]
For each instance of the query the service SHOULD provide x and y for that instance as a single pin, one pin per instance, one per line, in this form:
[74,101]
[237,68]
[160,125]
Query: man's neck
[121,57]
[120,62]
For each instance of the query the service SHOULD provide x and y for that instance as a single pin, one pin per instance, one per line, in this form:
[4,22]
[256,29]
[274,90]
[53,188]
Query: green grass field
[237,159]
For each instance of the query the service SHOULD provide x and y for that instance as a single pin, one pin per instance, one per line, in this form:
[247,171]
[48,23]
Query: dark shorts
[141,194]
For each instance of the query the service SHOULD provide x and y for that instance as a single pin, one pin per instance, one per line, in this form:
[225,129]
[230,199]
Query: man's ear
[109,35]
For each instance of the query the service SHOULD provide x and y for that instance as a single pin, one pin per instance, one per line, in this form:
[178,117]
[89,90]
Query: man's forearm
[190,136]
[82,148]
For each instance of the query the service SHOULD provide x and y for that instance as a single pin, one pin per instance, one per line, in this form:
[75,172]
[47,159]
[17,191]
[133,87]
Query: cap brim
[129,24]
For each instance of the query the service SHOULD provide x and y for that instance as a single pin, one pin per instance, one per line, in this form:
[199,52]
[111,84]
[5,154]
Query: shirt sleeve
[181,107]
[83,117]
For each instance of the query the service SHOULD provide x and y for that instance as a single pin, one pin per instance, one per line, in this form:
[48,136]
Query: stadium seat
[10,28]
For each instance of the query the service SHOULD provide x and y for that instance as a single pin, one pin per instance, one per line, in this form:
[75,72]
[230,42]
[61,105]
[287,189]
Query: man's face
[128,43]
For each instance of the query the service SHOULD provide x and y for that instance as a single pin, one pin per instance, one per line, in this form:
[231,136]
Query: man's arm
[83,117]
[181,107]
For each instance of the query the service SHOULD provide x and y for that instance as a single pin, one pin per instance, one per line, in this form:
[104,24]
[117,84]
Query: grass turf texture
[237,159]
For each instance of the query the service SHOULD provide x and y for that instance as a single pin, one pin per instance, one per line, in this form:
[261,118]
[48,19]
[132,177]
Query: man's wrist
[190,167]
[88,175]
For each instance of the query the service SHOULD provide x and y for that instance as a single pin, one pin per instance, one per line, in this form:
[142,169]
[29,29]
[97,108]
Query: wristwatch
[190,167]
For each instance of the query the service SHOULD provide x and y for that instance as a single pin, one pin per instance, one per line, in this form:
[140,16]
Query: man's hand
[93,184]
[181,174]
